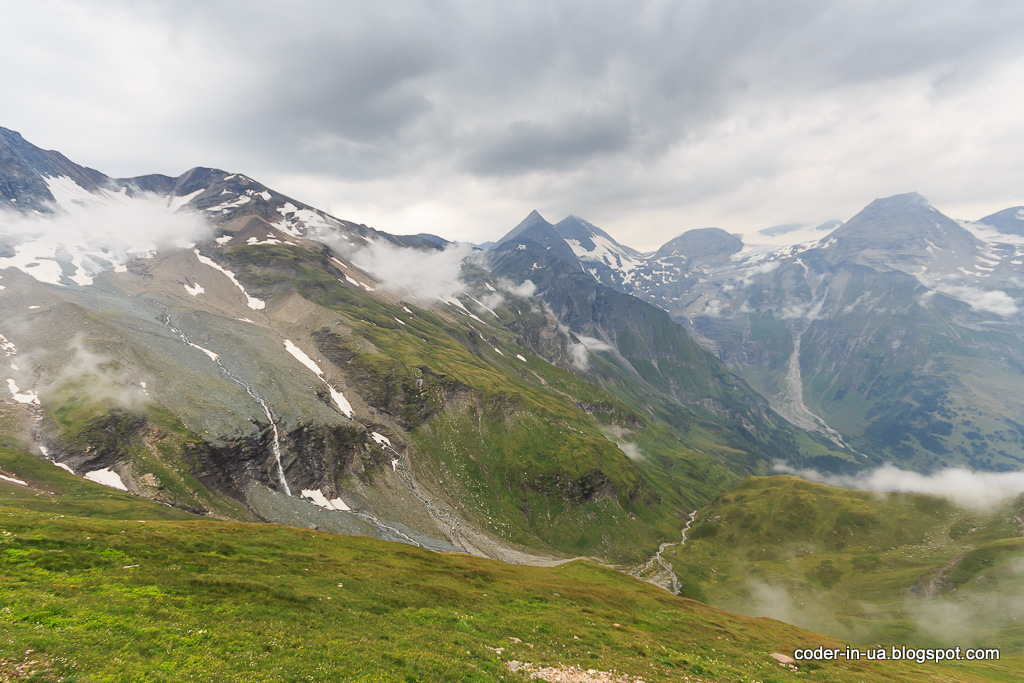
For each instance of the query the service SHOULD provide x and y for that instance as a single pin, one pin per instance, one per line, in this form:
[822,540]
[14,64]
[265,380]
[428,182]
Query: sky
[647,118]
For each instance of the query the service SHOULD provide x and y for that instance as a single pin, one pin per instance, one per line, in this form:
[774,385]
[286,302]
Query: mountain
[903,233]
[894,334]
[24,168]
[212,344]
[1008,221]
[640,355]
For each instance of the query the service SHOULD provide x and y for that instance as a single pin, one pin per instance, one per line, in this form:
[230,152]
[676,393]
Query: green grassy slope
[519,446]
[100,586]
[901,568]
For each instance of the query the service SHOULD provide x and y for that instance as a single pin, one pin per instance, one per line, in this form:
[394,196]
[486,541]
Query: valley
[395,452]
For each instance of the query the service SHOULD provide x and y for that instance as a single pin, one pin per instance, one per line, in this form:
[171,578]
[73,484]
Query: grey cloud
[532,146]
[638,111]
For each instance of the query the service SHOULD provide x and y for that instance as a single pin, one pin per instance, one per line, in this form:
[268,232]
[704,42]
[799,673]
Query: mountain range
[212,344]
[895,334]
[218,349]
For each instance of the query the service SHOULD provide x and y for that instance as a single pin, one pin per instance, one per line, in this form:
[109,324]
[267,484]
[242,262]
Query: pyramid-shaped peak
[534,221]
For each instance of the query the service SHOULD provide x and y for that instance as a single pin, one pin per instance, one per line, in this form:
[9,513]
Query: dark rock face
[23,167]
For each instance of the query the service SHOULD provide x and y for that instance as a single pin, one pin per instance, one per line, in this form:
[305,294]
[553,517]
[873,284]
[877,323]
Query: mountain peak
[533,222]
[1008,221]
[899,231]
[25,168]
[702,244]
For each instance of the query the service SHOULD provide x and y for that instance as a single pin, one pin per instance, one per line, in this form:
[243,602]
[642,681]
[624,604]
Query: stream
[665,565]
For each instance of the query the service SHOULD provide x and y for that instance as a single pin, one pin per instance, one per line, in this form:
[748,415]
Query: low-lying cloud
[983,490]
[991,301]
[417,274]
[97,376]
[93,234]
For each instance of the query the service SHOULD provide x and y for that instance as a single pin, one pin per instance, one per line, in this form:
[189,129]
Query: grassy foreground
[100,586]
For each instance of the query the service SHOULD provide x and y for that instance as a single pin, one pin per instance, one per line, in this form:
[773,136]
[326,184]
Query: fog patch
[96,376]
[631,450]
[964,487]
[991,301]
[525,290]
[580,350]
[93,234]
[804,607]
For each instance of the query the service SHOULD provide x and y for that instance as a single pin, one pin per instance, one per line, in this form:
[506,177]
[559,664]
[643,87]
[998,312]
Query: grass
[901,568]
[100,586]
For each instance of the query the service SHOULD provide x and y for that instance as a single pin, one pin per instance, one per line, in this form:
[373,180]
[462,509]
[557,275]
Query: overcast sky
[458,118]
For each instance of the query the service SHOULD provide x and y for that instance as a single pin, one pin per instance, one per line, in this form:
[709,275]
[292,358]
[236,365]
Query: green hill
[901,568]
[102,586]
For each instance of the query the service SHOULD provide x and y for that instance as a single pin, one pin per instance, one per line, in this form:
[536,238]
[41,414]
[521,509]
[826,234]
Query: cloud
[421,275]
[984,490]
[644,114]
[579,351]
[91,234]
[524,289]
[991,301]
[96,376]
[631,450]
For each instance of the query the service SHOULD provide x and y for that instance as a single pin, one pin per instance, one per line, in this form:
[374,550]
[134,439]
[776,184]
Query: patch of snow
[195,290]
[380,439]
[400,321]
[63,466]
[27,397]
[394,464]
[107,477]
[227,206]
[175,203]
[265,195]
[213,356]
[339,398]
[224,239]
[317,497]
[13,480]
[483,306]
[406,310]
[520,357]
[499,351]
[301,356]
[270,239]
[35,259]
[298,222]
[7,348]
[252,302]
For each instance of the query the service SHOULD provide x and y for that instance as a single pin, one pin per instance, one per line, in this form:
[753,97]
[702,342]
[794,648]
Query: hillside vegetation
[101,586]
[902,568]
